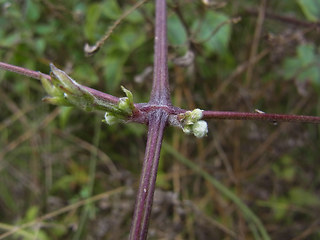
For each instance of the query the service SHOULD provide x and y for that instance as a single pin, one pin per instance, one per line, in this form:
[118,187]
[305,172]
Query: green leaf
[304,198]
[111,9]
[311,9]
[129,38]
[85,74]
[32,11]
[177,34]
[304,66]
[92,17]
[31,214]
[135,17]
[113,71]
[214,31]
[64,115]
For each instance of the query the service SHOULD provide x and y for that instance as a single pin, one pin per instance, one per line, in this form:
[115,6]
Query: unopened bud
[200,129]
[110,119]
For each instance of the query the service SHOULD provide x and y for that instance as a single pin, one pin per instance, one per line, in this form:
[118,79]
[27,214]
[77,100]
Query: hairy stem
[139,228]
[160,93]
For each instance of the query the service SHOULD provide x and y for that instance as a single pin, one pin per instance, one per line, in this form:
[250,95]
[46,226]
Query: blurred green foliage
[311,9]
[46,151]
[305,65]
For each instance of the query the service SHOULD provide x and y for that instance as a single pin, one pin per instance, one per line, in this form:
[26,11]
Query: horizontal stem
[37,75]
[260,116]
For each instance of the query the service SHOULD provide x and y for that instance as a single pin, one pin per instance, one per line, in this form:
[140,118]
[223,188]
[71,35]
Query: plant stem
[157,121]
[160,93]
[157,124]
[36,75]
[260,116]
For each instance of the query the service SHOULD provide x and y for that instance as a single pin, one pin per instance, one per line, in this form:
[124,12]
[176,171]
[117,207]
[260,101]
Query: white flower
[200,129]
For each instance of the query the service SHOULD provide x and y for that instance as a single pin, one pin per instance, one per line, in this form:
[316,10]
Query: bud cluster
[63,90]
[191,123]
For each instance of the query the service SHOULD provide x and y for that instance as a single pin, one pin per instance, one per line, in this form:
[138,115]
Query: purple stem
[157,124]
[34,74]
[157,120]
[160,93]
[259,116]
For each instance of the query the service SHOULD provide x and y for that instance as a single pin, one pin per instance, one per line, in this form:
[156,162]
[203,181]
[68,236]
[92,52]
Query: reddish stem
[160,93]
[140,223]
[259,116]
[36,75]
[159,105]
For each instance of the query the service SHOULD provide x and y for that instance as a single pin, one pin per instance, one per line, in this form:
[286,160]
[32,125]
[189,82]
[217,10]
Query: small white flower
[200,129]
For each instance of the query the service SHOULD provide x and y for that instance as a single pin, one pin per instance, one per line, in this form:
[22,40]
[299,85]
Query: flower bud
[200,129]
[110,118]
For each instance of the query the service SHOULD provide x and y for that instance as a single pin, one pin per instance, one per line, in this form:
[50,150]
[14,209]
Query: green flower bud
[190,117]
[110,118]
[187,129]
[190,123]
[124,105]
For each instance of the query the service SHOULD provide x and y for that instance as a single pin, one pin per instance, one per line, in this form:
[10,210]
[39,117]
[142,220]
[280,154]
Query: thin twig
[286,19]
[260,116]
[37,75]
[256,40]
[234,20]
[90,50]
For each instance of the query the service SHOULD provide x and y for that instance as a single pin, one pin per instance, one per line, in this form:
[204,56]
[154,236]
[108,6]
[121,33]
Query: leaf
[31,213]
[214,31]
[177,34]
[111,9]
[129,38]
[113,71]
[311,9]
[304,66]
[91,24]
[64,116]
[304,198]
[85,74]
[135,17]
[32,11]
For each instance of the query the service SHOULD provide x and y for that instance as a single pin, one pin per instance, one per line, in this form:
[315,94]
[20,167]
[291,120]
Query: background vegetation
[52,157]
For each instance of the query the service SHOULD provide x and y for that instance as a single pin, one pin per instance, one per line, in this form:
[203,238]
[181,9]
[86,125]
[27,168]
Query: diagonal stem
[139,227]
[160,93]
[37,75]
